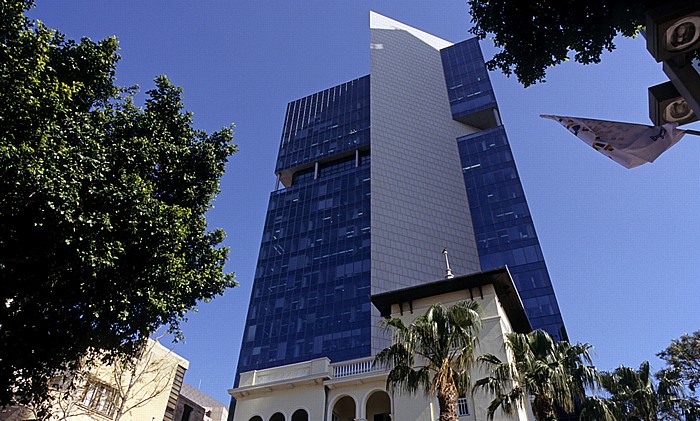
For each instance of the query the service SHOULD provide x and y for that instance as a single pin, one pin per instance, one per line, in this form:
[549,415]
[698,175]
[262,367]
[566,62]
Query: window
[186,412]
[100,397]
[174,393]
[300,415]
[277,417]
[462,406]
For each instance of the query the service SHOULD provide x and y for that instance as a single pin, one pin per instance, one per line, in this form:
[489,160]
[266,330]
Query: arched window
[256,418]
[300,415]
[344,409]
[378,406]
[277,417]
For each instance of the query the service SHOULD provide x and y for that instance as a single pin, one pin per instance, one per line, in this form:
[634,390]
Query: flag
[628,144]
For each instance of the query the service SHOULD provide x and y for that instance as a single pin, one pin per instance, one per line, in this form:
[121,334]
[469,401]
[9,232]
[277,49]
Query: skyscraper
[376,177]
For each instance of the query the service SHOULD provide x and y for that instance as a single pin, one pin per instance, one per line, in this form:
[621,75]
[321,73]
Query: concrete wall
[205,407]
[284,389]
[285,401]
[198,411]
[419,202]
[157,372]
[360,392]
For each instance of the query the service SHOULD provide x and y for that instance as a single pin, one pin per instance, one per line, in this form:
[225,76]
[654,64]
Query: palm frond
[557,374]
[435,352]
[507,402]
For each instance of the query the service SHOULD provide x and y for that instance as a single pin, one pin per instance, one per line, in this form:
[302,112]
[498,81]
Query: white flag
[628,144]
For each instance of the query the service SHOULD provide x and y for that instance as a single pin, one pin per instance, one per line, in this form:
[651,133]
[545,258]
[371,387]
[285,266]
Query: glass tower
[376,177]
[312,283]
[503,227]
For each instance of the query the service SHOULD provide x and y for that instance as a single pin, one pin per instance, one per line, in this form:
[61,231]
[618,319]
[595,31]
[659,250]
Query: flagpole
[693,132]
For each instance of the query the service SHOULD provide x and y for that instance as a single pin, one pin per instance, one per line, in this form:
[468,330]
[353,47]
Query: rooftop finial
[448,271]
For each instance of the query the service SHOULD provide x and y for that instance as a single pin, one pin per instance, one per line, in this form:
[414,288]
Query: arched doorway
[344,409]
[379,406]
[300,415]
[277,417]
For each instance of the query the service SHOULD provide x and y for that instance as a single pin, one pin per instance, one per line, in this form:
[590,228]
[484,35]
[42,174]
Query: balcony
[358,371]
[354,367]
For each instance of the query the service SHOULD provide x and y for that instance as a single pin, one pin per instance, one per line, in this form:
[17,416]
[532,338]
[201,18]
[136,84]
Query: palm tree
[434,353]
[595,408]
[634,395]
[556,375]
[631,392]
[675,401]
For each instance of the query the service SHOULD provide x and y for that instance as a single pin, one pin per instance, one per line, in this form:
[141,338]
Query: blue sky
[621,245]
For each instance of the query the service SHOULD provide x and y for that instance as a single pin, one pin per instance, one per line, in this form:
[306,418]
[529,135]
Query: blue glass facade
[311,290]
[468,85]
[312,283]
[503,226]
[501,219]
[325,124]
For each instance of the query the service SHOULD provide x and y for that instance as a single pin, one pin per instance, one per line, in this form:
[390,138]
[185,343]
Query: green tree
[535,35]
[555,374]
[632,392]
[638,394]
[633,395]
[434,354]
[683,359]
[595,408]
[675,403]
[102,230]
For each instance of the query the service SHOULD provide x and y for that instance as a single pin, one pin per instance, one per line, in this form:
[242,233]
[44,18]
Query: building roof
[377,21]
[200,398]
[499,278]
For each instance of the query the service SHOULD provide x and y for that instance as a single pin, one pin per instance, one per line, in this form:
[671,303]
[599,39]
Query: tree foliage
[102,229]
[537,34]
[555,374]
[683,359]
[632,392]
[634,395]
[434,354]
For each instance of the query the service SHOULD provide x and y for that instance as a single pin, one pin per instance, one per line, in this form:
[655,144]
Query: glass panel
[502,224]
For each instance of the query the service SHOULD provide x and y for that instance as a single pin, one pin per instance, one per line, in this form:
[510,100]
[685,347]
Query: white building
[322,390]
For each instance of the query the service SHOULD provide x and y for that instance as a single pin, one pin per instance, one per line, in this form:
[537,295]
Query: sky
[621,245]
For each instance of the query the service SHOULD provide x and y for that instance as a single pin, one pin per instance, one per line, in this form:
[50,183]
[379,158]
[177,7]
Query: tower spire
[448,271]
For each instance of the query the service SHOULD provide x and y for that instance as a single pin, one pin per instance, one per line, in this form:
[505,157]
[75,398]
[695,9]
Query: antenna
[448,271]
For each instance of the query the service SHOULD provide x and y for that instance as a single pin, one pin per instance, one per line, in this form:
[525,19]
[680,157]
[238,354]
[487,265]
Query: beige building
[146,391]
[323,390]
[193,405]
